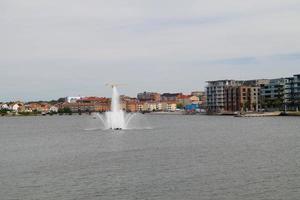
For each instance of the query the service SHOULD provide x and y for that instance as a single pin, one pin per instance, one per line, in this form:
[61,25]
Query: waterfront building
[140,106]
[296,91]
[275,93]
[288,94]
[171,106]
[27,108]
[131,106]
[170,96]
[198,93]
[149,106]
[146,106]
[143,107]
[292,93]
[128,99]
[187,99]
[89,104]
[202,97]
[38,107]
[53,109]
[241,98]
[4,107]
[148,96]
[15,107]
[215,101]
[281,94]
[168,106]
[267,94]
[255,82]
[88,107]
[158,106]
[192,108]
[92,99]
[202,101]
[73,99]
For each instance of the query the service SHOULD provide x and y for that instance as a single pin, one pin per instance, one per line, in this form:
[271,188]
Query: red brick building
[89,104]
[240,98]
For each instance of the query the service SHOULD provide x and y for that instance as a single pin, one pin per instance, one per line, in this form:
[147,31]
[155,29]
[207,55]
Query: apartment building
[241,98]
[274,94]
[296,90]
[89,104]
[187,99]
[156,106]
[170,96]
[278,94]
[215,94]
[292,92]
[148,96]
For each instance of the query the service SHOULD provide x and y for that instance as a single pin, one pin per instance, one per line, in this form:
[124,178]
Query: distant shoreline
[265,114]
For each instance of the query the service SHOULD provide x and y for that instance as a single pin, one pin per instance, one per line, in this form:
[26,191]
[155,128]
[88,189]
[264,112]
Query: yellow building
[168,106]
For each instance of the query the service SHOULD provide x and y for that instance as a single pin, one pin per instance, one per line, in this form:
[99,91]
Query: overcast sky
[56,48]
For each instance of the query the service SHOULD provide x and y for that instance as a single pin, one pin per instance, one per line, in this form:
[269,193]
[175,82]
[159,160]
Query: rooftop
[94,99]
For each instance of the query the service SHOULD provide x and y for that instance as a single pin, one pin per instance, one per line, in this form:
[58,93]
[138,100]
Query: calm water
[181,157]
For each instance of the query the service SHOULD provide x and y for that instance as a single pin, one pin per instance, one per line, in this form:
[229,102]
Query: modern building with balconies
[282,93]
[269,94]
[241,98]
[296,90]
[292,93]
[215,94]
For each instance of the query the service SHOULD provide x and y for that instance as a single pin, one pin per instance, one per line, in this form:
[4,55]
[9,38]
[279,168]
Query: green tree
[3,112]
[65,110]
[179,105]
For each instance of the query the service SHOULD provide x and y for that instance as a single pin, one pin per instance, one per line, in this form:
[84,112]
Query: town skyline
[107,86]
[227,97]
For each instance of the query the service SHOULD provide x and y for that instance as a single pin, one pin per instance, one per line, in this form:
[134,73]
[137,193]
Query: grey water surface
[180,157]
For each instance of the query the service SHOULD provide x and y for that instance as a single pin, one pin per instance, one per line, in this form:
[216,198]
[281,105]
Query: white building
[172,107]
[158,106]
[149,106]
[140,107]
[215,94]
[73,99]
[4,107]
[53,109]
[15,107]
[168,106]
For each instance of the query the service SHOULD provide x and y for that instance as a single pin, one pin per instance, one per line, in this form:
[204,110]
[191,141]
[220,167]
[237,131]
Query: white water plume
[116,118]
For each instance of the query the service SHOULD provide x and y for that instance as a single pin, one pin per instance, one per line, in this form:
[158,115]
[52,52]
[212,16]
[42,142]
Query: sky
[57,48]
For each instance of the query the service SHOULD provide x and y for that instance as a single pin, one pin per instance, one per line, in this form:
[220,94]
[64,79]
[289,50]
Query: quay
[265,114]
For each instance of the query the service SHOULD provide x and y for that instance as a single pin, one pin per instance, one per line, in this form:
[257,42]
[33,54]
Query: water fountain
[116,118]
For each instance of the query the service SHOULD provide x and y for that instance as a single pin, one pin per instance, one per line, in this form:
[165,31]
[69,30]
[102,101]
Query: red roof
[182,96]
[94,99]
